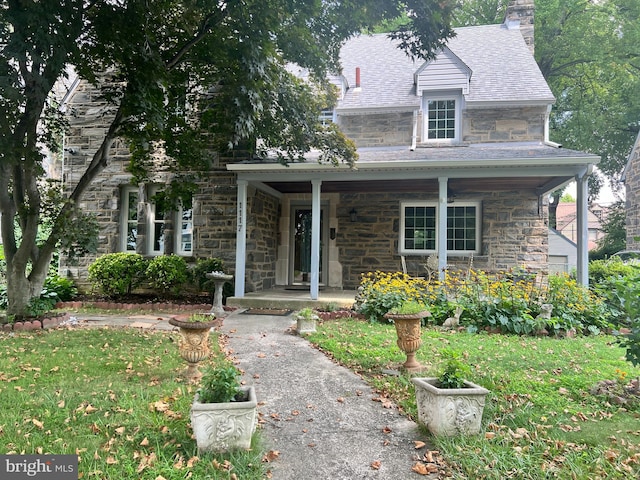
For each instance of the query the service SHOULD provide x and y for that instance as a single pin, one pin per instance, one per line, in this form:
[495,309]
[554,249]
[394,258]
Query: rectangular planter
[220,427]
[449,411]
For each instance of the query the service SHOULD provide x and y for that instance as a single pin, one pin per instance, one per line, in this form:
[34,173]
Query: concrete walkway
[321,418]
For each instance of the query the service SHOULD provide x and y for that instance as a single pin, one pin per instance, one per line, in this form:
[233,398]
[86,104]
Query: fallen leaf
[261,355]
[37,423]
[120,430]
[489,435]
[387,430]
[340,399]
[144,442]
[418,444]
[61,404]
[270,456]
[420,468]
[111,460]
[376,465]
[563,391]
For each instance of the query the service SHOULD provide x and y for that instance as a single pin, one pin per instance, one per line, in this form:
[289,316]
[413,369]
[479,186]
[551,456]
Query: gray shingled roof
[503,69]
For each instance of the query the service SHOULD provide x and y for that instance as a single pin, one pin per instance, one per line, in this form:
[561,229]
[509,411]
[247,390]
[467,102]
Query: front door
[300,270]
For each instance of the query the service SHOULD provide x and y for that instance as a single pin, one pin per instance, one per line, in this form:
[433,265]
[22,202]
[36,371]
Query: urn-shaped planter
[449,411]
[220,427]
[193,345]
[409,332]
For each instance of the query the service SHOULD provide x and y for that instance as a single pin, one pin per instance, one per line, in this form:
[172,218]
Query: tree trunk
[22,289]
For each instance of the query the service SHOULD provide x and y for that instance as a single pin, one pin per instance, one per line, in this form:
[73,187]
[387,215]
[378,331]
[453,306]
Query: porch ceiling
[456,185]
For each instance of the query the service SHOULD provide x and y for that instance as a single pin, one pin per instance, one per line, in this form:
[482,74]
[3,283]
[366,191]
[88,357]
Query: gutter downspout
[414,136]
[546,130]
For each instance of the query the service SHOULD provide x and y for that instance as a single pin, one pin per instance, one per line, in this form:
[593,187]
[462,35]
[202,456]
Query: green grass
[113,396]
[540,421]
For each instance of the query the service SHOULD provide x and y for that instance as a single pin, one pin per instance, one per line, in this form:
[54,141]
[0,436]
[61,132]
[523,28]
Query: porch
[295,299]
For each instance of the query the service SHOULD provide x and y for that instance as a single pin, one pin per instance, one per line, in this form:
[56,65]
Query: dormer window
[326,116]
[441,118]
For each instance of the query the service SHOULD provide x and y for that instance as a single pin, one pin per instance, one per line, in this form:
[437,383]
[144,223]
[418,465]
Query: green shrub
[202,282]
[117,274]
[167,273]
[63,288]
[602,270]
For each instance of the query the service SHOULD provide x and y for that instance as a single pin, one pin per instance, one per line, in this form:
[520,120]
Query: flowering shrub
[505,302]
[380,292]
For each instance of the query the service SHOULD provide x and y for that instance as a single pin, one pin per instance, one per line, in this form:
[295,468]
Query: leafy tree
[588,52]
[615,234]
[183,76]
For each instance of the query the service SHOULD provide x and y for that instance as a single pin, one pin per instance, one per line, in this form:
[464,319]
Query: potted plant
[407,319]
[223,414]
[449,404]
[194,340]
[306,321]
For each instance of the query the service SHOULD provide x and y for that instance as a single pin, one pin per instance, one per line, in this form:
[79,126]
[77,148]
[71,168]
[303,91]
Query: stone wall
[513,233]
[503,125]
[632,185]
[377,130]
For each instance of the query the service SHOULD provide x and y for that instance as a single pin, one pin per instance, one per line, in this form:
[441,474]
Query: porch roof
[471,168]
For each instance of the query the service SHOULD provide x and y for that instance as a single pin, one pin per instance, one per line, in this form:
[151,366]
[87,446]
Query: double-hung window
[155,222]
[129,236]
[419,228]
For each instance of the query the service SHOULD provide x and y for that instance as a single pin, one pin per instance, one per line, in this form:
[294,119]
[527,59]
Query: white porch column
[315,238]
[442,226]
[241,237]
[582,188]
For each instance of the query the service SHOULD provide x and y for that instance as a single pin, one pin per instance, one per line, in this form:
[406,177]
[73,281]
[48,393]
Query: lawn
[541,420]
[112,396]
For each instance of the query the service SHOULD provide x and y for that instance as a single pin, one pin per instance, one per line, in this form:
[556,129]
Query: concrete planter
[449,411]
[220,427]
[306,324]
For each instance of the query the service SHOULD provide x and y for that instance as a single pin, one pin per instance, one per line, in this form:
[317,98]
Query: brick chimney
[520,12]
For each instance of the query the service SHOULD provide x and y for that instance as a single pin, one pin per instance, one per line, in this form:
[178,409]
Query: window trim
[457,98]
[125,191]
[478,223]
[150,221]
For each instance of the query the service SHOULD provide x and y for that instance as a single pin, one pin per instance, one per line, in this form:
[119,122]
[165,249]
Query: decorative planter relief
[219,427]
[449,411]
[409,331]
[193,345]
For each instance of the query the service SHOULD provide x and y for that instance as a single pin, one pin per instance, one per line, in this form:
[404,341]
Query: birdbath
[219,278]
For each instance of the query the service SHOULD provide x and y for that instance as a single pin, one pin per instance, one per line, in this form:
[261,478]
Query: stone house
[631,179]
[454,164]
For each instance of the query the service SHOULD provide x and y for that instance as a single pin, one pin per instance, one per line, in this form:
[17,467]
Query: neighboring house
[454,162]
[563,253]
[567,222]
[631,179]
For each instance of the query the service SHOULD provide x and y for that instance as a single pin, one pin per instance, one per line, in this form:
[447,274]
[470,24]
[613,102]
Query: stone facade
[514,232]
[376,130]
[632,185]
[503,125]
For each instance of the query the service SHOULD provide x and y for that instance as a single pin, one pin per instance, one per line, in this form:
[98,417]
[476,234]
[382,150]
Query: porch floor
[282,297]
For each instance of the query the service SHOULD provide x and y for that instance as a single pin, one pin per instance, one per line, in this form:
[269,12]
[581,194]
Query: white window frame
[457,98]
[151,225]
[180,250]
[124,217]
[151,222]
[408,251]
